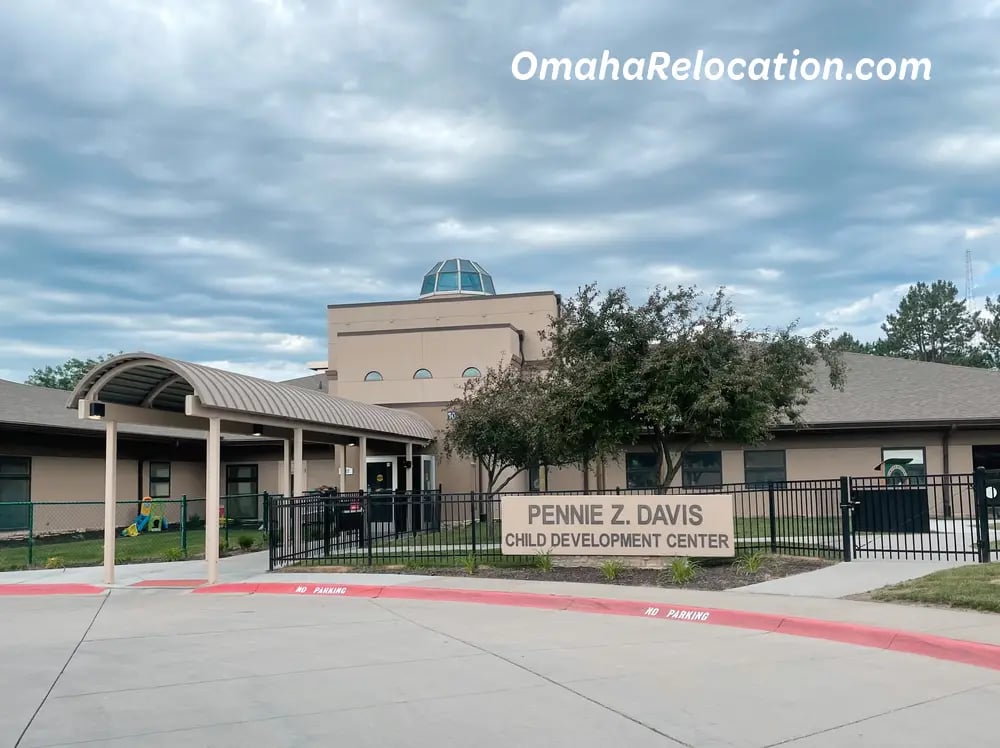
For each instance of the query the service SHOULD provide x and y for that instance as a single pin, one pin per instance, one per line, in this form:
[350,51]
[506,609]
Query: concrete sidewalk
[815,594]
[231,569]
[845,579]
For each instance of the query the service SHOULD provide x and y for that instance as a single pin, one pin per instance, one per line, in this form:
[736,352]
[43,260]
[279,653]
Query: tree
[850,344]
[502,422]
[67,375]
[677,370]
[596,348]
[847,343]
[988,327]
[933,324]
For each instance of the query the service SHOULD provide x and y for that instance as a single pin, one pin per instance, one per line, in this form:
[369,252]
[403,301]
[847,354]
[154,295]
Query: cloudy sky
[200,178]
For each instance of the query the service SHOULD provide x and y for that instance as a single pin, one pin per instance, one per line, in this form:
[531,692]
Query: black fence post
[475,510]
[845,518]
[184,522]
[271,534]
[327,525]
[772,516]
[982,515]
[366,524]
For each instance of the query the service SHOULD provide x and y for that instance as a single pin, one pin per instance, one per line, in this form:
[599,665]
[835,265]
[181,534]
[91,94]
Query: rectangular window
[701,469]
[535,478]
[241,488]
[763,466]
[159,480]
[15,488]
[640,470]
[904,466]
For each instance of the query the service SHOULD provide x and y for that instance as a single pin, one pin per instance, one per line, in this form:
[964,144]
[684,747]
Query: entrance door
[380,484]
[381,475]
[430,506]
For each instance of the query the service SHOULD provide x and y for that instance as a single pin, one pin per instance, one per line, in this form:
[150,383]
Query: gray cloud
[202,177]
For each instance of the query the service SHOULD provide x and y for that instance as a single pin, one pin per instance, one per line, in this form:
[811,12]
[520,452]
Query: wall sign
[612,525]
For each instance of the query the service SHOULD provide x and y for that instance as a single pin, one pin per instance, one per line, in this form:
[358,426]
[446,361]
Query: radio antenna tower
[970,293]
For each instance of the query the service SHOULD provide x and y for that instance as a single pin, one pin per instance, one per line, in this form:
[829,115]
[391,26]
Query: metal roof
[25,405]
[145,379]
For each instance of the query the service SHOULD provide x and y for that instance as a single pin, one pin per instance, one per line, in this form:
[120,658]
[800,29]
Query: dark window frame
[7,524]
[641,476]
[230,480]
[232,507]
[154,480]
[536,474]
[422,368]
[756,475]
[687,471]
[466,373]
[376,378]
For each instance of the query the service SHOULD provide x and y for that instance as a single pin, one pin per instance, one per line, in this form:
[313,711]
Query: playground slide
[142,521]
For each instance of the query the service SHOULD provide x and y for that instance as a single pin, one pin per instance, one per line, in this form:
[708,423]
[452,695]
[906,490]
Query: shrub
[749,562]
[544,561]
[470,563]
[55,562]
[174,554]
[245,542]
[612,569]
[682,570]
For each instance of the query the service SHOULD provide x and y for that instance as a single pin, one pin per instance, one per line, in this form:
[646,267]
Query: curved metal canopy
[159,383]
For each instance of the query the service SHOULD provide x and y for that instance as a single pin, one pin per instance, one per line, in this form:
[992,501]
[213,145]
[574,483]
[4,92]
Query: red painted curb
[50,589]
[169,583]
[978,654]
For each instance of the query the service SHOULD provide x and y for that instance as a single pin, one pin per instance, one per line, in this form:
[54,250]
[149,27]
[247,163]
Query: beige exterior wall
[71,479]
[398,354]
[529,313]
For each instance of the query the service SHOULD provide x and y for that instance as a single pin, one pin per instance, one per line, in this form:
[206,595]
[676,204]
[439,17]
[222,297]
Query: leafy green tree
[988,326]
[678,370]
[503,423]
[596,348]
[847,343]
[850,344]
[932,323]
[67,375]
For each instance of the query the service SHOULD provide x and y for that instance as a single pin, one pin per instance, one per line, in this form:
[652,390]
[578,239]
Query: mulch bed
[708,577]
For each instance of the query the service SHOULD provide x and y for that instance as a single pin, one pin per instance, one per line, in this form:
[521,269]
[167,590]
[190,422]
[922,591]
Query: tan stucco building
[416,354]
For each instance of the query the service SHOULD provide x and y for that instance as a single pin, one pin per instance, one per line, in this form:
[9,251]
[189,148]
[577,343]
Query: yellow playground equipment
[147,521]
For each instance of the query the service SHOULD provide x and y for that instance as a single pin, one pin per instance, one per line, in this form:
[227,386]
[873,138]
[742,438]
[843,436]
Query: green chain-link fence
[56,534]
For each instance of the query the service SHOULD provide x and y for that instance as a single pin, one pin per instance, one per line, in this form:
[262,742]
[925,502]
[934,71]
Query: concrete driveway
[152,667]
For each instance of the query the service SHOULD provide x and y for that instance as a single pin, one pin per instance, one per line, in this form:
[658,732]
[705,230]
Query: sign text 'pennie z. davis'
[697,525]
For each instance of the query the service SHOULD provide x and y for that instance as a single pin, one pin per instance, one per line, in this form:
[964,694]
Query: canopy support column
[284,486]
[342,467]
[110,497]
[408,483]
[213,468]
[300,465]
[362,464]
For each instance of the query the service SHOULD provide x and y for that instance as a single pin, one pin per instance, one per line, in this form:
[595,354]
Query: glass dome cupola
[456,276]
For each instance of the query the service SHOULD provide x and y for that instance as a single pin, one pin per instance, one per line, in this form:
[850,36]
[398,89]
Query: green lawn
[975,587]
[89,550]
[746,527]
[788,527]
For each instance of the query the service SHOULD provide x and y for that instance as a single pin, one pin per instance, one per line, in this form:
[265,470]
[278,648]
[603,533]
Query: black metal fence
[954,517]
